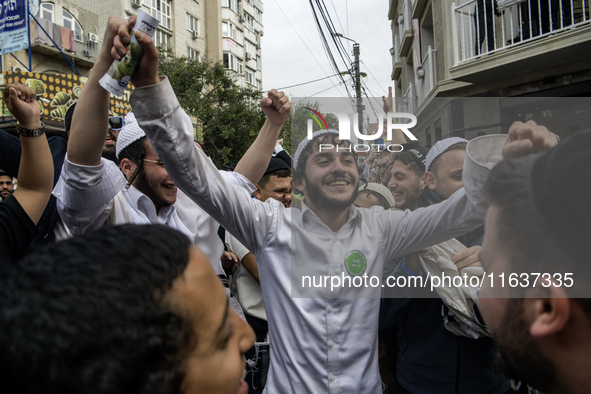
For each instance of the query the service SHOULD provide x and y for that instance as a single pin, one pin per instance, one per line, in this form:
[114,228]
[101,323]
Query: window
[258,15]
[193,54]
[259,85]
[228,30]
[250,76]
[239,36]
[231,4]
[249,21]
[251,48]
[161,11]
[258,62]
[163,40]
[146,2]
[233,63]
[46,11]
[192,24]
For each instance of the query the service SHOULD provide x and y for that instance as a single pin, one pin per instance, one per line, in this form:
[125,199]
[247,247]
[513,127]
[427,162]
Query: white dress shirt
[326,342]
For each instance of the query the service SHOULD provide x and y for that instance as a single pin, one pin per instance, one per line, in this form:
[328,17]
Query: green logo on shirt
[355,263]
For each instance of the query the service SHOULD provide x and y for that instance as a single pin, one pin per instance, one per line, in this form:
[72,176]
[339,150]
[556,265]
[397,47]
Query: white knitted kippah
[305,142]
[439,148]
[381,190]
[130,133]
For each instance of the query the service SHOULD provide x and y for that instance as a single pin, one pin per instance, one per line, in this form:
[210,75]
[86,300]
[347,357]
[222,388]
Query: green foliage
[231,115]
[297,125]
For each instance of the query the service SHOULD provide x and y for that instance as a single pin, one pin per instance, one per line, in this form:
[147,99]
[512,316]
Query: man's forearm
[256,159]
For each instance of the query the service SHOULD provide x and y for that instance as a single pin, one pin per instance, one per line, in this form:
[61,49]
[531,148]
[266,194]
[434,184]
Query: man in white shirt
[93,192]
[327,341]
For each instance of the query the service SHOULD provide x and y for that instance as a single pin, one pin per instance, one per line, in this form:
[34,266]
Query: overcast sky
[293,53]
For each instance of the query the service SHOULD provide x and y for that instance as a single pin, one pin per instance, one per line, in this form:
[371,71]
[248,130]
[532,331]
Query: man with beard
[323,338]
[536,223]
[6,186]
[92,192]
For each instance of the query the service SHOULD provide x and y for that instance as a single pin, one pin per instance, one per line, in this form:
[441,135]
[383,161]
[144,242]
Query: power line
[301,39]
[305,83]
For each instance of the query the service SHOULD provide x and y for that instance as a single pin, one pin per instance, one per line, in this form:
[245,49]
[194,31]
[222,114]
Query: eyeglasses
[159,163]
[115,122]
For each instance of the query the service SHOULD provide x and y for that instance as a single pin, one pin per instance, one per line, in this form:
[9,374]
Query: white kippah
[130,133]
[305,143]
[381,190]
[439,148]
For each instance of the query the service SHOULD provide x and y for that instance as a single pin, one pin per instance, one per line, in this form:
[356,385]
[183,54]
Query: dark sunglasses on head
[115,122]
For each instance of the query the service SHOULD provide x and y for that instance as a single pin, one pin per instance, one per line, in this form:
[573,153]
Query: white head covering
[439,148]
[381,190]
[130,133]
[305,143]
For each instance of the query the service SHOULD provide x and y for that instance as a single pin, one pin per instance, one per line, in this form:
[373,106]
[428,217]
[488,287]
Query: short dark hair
[410,160]
[88,315]
[69,116]
[136,152]
[531,247]
[435,163]
[281,173]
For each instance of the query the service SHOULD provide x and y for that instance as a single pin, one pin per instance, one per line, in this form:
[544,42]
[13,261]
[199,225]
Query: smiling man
[93,192]
[93,315]
[322,340]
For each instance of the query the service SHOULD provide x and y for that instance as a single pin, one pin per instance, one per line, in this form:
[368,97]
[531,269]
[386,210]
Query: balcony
[426,76]
[396,61]
[84,49]
[519,37]
[407,103]
[405,28]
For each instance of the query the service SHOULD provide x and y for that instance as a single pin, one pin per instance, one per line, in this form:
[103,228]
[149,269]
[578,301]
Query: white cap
[381,190]
[130,133]
[305,142]
[440,147]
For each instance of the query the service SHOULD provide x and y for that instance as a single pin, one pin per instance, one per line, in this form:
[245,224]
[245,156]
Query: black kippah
[560,192]
[418,152]
[276,164]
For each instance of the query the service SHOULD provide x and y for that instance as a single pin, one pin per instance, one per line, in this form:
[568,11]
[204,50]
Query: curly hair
[88,315]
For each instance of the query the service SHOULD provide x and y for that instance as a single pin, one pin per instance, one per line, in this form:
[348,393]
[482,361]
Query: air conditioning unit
[136,3]
[86,53]
[15,68]
[241,18]
[194,34]
[248,56]
[91,37]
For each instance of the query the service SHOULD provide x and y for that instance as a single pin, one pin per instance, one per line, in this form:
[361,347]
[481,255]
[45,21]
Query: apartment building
[64,40]
[205,30]
[513,57]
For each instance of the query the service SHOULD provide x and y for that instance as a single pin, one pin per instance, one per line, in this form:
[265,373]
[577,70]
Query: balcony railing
[407,102]
[404,19]
[49,33]
[479,28]
[427,77]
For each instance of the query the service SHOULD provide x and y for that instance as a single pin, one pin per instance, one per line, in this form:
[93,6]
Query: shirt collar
[146,206]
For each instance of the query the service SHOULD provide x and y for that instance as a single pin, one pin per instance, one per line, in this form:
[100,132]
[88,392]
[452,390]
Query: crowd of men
[135,298]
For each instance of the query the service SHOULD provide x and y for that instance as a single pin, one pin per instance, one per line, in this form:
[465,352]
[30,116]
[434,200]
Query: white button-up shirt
[326,342]
[89,197]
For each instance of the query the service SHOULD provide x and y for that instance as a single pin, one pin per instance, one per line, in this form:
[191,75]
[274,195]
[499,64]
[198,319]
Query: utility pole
[358,87]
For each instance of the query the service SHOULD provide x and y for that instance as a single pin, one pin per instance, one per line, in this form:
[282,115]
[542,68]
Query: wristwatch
[30,132]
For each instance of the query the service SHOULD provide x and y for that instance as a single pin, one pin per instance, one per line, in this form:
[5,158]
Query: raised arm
[35,176]
[90,121]
[253,164]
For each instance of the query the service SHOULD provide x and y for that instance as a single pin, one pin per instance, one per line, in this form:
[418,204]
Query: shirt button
[332,378]
[330,344]
[330,309]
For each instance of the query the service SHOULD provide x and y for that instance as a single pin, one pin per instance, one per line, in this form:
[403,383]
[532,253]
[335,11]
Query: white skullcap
[381,190]
[305,143]
[130,133]
[439,148]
